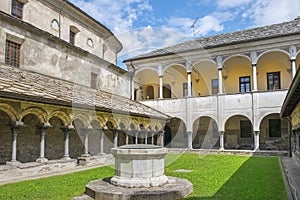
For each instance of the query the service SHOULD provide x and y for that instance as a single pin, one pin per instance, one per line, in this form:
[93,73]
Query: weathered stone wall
[5,138]
[43,54]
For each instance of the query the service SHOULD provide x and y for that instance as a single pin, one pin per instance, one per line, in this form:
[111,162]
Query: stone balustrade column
[126,138]
[66,130]
[152,138]
[14,129]
[221,134]
[189,84]
[161,87]
[254,77]
[190,139]
[256,140]
[43,128]
[146,137]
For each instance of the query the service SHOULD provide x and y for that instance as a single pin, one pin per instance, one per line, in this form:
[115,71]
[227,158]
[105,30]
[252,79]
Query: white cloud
[118,15]
[224,4]
[264,12]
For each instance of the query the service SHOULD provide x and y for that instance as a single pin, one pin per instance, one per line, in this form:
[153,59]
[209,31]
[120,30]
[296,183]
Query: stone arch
[205,133]
[175,133]
[10,111]
[83,118]
[64,117]
[125,122]
[236,55]
[274,50]
[100,120]
[238,132]
[274,133]
[144,69]
[172,65]
[38,112]
[204,60]
[113,122]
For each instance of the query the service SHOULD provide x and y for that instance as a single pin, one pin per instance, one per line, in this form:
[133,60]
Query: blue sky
[145,25]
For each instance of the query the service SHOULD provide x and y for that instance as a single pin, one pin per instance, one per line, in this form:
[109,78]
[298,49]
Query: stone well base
[176,188]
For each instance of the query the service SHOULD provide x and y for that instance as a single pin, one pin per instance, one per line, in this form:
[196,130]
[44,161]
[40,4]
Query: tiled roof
[31,86]
[254,34]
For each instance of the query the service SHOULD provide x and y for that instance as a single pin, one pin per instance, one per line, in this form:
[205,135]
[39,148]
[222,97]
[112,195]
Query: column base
[84,160]
[66,158]
[221,149]
[13,163]
[42,160]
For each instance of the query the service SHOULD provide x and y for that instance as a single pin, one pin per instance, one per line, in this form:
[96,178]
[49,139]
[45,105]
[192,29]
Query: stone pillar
[101,141]
[256,140]
[160,139]
[254,78]
[115,132]
[85,132]
[66,130]
[146,137]
[161,87]
[132,90]
[136,137]
[189,84]
[293,65]
[221,134]
[43,128]
[190,139]
[126,138]
[297,141]
[220,78]
[152,138]
[14,130]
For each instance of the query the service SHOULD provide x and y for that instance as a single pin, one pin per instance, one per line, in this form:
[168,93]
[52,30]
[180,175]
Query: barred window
[94,80]
[12,53]
[17,9]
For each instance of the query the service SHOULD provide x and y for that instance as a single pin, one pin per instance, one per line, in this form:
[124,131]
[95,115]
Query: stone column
[160,139]
[115,132]
[101,141]
[136,137]
[161,87]
[126,138]
[152,138]
[66,130]
[254,78]
[14,129]
[220,78]
[221,134]
[190,139]
[43,128]
[293,65]
[256,140]
[297,141]
[189,84]
[146,137]
[85,132]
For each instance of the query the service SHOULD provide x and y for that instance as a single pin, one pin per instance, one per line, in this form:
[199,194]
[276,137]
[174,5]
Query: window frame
[17,8]
[245,129]
[245,84]
[72,35]
[12,53]
[273,78]
[94,77]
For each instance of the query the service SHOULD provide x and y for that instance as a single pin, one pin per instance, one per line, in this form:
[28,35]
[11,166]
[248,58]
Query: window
[215,86]
[90,42]
[273,80]
[245,85]
[94,80]
[55,25]
[274,127]
[12,53]
[185,89]
[149,92]
[246,128]
[72,37]
[167,93]
[17,9]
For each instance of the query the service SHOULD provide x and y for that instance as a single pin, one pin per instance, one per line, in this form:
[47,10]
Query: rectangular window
[215,86]
[72,37]
[274,127]
[185,89]
[17,9]
[245,85]
[246,129]
[12,53]
[273,80]
[93,80]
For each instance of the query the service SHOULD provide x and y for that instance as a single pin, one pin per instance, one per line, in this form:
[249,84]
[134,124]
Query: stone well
[139,166]
[139,175]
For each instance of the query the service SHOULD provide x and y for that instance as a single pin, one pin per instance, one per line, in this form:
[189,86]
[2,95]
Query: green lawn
[213,177]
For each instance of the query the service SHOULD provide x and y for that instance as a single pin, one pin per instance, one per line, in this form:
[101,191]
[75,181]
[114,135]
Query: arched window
[90,42]
[149,92]
[55,25]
